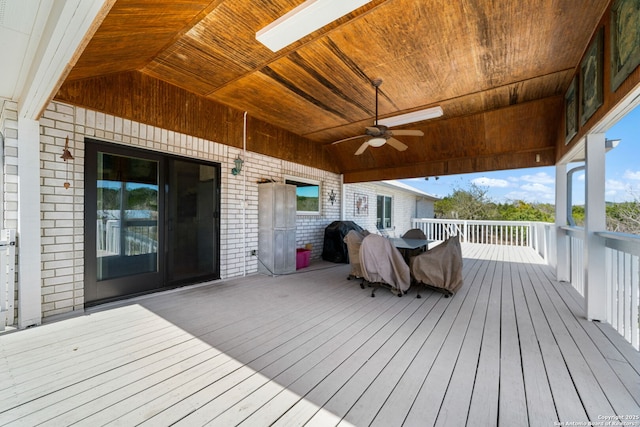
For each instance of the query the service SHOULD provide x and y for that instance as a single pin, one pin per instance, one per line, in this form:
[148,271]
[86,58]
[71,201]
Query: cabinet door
[284,251]
[291,203]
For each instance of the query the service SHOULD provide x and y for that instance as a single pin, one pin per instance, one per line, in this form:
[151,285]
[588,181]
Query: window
[384,212]
[307,195]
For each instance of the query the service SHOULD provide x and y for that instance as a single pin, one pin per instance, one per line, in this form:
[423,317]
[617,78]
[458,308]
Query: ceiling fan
[381,134]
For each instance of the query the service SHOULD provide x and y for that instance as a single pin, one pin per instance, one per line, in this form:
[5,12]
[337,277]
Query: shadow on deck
[511,348]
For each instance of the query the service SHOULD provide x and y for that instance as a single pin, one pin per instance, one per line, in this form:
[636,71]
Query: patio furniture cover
[334,248]
[440,267]
[414,233]
[382,263]
[353,239]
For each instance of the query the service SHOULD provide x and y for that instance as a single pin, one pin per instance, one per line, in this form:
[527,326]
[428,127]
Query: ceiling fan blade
[407,132]
[348,139]
[396,144]
[362,148]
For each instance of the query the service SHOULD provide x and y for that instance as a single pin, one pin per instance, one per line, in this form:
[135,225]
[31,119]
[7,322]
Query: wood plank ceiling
[498,68]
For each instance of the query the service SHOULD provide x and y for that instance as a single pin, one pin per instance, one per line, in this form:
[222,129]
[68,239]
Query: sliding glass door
[151,222]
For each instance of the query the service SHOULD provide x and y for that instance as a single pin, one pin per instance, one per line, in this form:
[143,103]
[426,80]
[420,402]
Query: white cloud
[539,178]
[490,182]
[532,192]
[615,185]
[632,175]
[620,191]
[538,188]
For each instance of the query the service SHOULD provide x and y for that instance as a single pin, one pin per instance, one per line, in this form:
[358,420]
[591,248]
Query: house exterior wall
[62,210]
[405,206]
[425,208]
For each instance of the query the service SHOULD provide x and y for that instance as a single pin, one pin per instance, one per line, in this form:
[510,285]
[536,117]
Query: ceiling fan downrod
[376,83]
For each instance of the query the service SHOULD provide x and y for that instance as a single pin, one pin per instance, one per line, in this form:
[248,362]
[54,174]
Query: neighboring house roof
[404,187]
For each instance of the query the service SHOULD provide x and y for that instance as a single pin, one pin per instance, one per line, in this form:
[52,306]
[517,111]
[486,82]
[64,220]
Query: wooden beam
[487,163]
[138,97]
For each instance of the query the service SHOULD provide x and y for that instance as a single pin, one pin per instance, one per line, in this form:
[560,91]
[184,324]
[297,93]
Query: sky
[622,174]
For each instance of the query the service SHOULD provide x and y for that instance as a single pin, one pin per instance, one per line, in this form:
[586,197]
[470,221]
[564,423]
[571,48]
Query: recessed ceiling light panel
[303,20]
[416,116]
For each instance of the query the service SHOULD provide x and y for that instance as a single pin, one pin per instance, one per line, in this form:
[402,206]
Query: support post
[29,244]
[563,263]
[595,293]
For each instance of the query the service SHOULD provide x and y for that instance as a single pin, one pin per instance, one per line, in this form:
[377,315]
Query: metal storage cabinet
[276,228]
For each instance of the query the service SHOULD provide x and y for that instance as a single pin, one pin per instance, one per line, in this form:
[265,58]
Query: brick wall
[62,209]
[403,206]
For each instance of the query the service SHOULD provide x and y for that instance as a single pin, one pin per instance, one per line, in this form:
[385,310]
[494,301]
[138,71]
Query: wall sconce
[238,161]
[332,197]
[66,155]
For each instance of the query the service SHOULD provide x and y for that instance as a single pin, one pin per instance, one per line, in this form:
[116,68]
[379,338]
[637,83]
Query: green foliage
[473,203]
[578,215]
[523,211]
[624,217]
[307,204]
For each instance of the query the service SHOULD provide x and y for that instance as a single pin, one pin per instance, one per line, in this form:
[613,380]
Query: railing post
[29,258]
[465,231]
[563,255]
[595,220]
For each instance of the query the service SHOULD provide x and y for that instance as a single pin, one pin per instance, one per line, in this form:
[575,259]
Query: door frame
[159,280]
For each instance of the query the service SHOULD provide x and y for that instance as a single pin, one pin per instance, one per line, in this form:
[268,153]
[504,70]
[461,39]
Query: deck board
[512,347]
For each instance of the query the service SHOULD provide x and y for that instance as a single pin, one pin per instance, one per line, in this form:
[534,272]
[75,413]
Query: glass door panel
[127,216]
[192,221]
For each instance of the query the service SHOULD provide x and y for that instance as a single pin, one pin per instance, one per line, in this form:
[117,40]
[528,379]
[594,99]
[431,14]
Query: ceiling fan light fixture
[415,116]
[303,20]
[377,141]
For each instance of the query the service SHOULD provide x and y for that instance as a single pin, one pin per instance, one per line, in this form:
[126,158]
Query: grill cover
[334,248]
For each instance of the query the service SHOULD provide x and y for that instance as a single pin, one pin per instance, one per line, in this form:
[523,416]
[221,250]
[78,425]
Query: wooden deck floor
[510,349]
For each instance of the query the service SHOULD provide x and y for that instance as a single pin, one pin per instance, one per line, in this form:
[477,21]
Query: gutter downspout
[343,197]
[244,195]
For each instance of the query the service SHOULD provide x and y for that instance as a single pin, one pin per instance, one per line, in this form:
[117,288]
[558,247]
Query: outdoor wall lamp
[332,197]
[238,161]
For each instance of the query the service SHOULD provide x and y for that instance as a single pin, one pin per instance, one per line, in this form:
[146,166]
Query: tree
[472,203]
[520,210]
[624,217]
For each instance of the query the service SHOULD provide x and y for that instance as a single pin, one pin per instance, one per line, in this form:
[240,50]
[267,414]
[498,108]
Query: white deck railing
[622,259]
[576,257]
[623,284]
[140,237]
[622,274]
[511,233]
[7,277]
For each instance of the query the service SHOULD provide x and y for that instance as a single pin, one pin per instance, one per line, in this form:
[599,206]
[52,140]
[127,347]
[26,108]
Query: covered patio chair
[382,264]
[353,239]
[414,233]
[440,268]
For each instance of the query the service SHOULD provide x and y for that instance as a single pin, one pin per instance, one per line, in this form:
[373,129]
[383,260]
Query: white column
[595,293]
[562,260]
[29,245]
